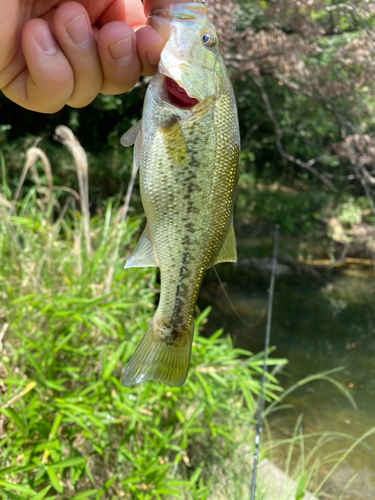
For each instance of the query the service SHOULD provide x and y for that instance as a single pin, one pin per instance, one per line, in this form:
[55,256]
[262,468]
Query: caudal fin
[160,359]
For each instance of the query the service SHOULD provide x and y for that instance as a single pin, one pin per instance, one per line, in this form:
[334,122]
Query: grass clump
[70,318]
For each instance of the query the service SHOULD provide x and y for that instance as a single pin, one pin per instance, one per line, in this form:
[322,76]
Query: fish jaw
[185,59]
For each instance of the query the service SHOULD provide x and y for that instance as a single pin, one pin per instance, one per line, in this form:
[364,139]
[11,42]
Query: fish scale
[189,161]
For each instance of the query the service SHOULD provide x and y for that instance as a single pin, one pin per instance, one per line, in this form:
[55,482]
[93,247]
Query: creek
[321,320]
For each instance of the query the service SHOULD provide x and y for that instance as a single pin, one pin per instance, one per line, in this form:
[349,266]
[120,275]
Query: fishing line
[239,316]
[266,349]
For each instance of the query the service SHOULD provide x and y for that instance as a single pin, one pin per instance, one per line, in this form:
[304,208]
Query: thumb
[10,38]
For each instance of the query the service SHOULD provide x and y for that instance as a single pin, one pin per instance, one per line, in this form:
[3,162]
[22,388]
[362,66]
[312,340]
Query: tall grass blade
[66,136]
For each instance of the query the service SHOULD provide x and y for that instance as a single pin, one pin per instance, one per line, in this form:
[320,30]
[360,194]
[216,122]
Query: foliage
[100,127]
[303,74]
[349,212]
[304,78]
[70,318]
[297,212]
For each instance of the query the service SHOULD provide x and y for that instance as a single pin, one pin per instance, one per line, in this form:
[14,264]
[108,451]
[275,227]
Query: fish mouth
[176,95]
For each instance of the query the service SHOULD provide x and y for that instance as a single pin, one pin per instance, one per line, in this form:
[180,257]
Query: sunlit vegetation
[71,317]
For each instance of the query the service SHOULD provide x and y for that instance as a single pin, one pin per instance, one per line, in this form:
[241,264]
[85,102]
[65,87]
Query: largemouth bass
[187,149]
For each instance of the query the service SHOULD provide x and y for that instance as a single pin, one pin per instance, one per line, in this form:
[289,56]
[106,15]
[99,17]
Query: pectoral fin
[128,139]
[228,252]
[174,136]
[143,255]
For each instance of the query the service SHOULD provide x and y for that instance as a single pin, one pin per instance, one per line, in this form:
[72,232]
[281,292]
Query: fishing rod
[265,359]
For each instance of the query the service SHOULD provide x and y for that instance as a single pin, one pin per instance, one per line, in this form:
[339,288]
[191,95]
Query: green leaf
[17,487]
[14,417]
[64,341]
[54,480]
[70,462]
[89,474]
[55,426]
[54,385]
[111,364]
[201,318]
[11,496]
[168,491]
[194,478]
[300,492]
[42,493]
[16,468]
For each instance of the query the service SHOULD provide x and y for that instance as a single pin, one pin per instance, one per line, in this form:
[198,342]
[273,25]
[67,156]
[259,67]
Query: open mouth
[177,96]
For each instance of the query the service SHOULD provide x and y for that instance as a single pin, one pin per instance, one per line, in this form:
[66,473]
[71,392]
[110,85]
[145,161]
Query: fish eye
[208,39]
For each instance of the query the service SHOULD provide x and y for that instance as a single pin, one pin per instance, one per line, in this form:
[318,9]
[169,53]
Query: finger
[129,11]
[46,84]
[149,44]
[74,34]
[94,8]
[149,5]
[118,54]
[9,33]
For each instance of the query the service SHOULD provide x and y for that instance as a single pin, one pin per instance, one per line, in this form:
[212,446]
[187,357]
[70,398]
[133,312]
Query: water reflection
[319,322]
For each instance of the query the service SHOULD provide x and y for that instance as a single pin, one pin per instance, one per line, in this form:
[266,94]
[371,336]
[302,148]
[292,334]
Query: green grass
[70,318]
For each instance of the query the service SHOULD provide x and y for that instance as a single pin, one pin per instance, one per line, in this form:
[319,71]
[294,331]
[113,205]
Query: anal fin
[143,254]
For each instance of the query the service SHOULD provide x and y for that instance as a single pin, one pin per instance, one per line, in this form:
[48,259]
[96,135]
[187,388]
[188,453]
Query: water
[319,322]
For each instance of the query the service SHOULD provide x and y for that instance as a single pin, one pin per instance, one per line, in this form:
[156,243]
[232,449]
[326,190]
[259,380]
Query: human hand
[57,52]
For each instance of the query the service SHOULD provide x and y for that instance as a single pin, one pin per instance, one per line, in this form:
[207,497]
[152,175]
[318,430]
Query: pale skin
[57,52]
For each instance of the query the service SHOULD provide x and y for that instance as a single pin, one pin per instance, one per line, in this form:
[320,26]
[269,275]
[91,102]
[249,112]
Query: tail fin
[157,359]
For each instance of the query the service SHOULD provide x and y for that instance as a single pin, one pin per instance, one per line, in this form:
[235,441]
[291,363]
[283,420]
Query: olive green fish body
[188,175]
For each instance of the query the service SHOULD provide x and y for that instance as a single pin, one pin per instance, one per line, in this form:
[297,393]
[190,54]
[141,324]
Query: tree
[310,66]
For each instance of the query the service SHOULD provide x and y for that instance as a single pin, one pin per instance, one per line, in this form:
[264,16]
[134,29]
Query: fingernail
[122,51]
[79,31]
[46,41]
[153,55]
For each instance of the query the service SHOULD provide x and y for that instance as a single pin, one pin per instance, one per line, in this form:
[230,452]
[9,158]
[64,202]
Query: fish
[187,149]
